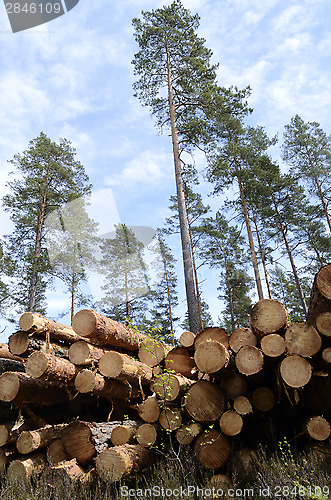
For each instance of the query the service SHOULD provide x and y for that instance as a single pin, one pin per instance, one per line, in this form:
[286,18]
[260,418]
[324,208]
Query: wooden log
[268,316]
[231,423]
[87,381]
[29,441]
[317,395]
[56,452]
[22,469]
[212,449]
[149,410]
[6,455]
[302,339]
[212,333]
[320,297]
[169,387]
[19,388]
[326,358]
[242,405]
[45,366]
[123,367]
[234,385]
[187,339]
[148,434]
[38,325]
[92,325]
[205,402]
[295,371]
[10,431]
[242,337]
[221,483]
[84,353]
[263,399]
[64,471]
[6,354]
[124,433]
[323,324]
[273,345]
[249,360]
[318,428]
[115,463]
[83,440]
[152,352]
[22,344]
[170,419]
[186,434]
[179,360]
[9,365]
[211,356]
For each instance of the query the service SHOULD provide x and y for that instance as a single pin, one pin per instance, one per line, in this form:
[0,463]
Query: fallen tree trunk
[29,441]
[268,316]
[212,449]
[45,366]
[67,470]
[40,326]
[115,463]
[123,367]
[6,354]
[205,402]
[10,431]
[87,381]
[21,344]
[83,353]
[19,388]
[92,325]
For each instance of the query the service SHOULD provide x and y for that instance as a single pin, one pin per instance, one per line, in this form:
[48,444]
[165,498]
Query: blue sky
[73,78]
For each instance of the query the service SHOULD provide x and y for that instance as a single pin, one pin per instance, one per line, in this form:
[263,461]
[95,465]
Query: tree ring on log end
[295,371]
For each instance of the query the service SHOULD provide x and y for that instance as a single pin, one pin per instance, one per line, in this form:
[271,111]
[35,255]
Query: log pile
[97,398]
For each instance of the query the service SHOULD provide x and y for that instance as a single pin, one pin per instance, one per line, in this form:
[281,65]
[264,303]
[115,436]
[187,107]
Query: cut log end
[170,419]
[18,343]
[211,356]
[231,423]
[212,449]
[114,463]
[295,371]
[323,324]
[149,410]
[9,386]
[273,345]
[187,339]
[212,333]
[242,405]
[85,381]
[302,339]
[242,337]
[268,316]
[249,360]
[318,428]
[37,364]
[147,435]
[152,352]
[205,402]
[186,434]
[84,322]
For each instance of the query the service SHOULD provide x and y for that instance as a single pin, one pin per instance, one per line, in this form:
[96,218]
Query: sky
[73,76]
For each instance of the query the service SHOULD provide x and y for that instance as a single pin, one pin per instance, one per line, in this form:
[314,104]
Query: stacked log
[129,392]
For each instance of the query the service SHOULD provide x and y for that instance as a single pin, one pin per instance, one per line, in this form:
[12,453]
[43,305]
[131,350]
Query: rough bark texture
[6,354]
[92,325]
[38,325]
[19,388]
[123,367]
[320,297]
[7,365]
[48,367]
[22,344]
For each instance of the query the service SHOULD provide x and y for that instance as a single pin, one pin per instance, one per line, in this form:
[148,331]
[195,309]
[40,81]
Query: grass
[282,474]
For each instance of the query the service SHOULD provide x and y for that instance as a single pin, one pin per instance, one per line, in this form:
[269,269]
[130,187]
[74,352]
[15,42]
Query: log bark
[148,434]
[240,338]
[231,423]
[149,410]
[87,381]
[302,339]
[268,316]
[320,297]
[212,449]
[6,354]
[249,360]
[242,405]
[22,469]
[205,402]
[9,365]
[45,366]
[152,352]
[21,344]
[10,431]
[64,471]
[273,345]
[38,325]
[211,356]
[19,388]
[123,367]
[83,353]
[29,441]
[115,463]
[187,339]
[212,333]
[92,325]
[169,387]
[188,432]
[6,455]
[263,399]
[170,419]
[179,360]
[318,428]
[295,371]
[323,324]
[83,440]
[124,433]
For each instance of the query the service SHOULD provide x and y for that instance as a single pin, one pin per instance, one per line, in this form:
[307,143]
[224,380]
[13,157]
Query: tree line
[268,238]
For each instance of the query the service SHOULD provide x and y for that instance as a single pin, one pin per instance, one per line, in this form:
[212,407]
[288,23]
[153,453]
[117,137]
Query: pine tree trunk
[262,255]
[192,305]
[319,190]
